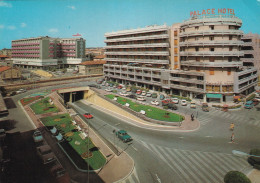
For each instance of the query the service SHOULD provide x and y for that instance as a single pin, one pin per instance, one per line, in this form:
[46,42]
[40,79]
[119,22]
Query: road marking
[181,137]
[159,180]
[208,136]
[134,148]
[117,124]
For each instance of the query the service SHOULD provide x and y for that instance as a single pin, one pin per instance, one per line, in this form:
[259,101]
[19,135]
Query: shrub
[236,177]
[165,107]
[250,97]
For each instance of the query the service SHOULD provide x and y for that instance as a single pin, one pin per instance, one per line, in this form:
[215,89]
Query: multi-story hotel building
[45,52]
[199,58]
[251,50]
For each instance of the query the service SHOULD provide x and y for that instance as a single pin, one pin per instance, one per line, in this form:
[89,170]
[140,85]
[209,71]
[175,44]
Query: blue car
[249,104]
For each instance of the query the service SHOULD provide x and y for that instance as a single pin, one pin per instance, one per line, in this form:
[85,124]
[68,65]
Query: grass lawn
[63,123]
[29,100]
[43,106]
[151,112]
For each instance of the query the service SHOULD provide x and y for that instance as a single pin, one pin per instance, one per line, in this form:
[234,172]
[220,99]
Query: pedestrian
[232,137]
[192,117]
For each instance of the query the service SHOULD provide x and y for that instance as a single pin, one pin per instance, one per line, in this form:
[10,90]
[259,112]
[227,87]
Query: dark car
[132,96]
[122,135]
[249,104]
[172,106]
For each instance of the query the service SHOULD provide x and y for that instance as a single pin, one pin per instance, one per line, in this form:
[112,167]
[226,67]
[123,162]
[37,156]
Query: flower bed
[28,100]
[43,106]
[64,124]
[151,112]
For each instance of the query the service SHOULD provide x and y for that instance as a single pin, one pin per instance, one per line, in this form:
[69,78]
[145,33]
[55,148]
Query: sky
[93,18]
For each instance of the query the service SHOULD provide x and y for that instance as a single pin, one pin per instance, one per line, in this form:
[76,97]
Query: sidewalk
[116,167]
[254,176]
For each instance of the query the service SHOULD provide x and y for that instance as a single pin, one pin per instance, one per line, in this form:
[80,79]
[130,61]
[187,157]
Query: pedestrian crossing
[133,178]
[196,166]
[205,118]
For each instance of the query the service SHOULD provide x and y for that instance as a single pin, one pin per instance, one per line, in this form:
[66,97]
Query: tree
[236,177]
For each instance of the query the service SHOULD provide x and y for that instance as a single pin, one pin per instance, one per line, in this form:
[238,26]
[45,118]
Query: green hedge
[236,177]
[229,107]
[250,97]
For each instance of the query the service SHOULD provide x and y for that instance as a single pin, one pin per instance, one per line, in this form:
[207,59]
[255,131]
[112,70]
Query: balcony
[162,53]
[187,88]
[250,52]
[212,64]
[247,59]
[160,36]
[153,45]
[213,53]
[248,44]
[24,44]
[186,80]
[212,32]
[149,61]
[26,48]
[212,43]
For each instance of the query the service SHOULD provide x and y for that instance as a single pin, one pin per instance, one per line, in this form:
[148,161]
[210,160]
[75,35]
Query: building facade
[251,50]
[199,58]
[45,52]
[9,73]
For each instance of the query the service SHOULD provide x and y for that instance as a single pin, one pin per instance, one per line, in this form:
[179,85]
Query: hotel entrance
[214,98]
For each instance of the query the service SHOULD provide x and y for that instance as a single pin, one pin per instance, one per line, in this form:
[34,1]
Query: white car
[123,93]
[155,102]
[148,94]
[183,102]
[108,90]
[141,98]
[143,93]
[193,104]
[175,100]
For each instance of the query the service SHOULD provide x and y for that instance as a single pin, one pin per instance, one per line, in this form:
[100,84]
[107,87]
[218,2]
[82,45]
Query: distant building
[251,50]
[7,52]
[9,73]
[91,67]
[46,52]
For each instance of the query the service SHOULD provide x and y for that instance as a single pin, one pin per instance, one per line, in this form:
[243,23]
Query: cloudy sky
[93,18]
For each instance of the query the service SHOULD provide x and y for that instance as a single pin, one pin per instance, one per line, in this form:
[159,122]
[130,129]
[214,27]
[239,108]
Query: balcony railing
[212,43]
[187,88]
[26,48]
[213,53]
[139,45]
[25,44]
[163,53]
[212,32]
[212,64]
[160,36]
[247,59]
[150,61]
[187,80]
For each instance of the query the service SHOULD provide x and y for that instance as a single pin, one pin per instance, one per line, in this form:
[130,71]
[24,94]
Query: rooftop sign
[213,11]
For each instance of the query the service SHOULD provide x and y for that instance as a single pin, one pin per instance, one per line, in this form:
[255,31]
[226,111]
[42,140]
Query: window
[197,69]
[197,59]
[196,38]
[230,48]
[211,59]
[196,49]
[211,27]
[229,71]
[212,49]
[197,28]
[230,37]
[183,30]
[230,59]
[211,38]
[199,77]
[211,71]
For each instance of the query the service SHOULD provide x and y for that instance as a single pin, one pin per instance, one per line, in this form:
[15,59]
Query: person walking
[192,117]
[232,126]
[232,137]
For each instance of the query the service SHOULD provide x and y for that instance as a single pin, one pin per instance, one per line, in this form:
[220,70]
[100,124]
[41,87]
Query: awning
[237,97]
[212,95]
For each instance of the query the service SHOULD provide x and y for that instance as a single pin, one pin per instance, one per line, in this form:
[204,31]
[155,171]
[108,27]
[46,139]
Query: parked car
[205,107]
[88,115]
[166,102]
[162,97]
[108,90]
[37,136]
[123,93]
[139,92]
[20,91]
[59,173]
[132,96]
[148,94]
[143,93]
[154,95]
[119,86]
[128,89]
[193,104]
[122,135]
[155,102]
[172,106]
[184,102]
[257,98]
[141,98]
[46,154]
[249,104]
[175,100]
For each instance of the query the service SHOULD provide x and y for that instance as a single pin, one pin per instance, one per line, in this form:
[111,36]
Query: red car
[88,115]
[138,92]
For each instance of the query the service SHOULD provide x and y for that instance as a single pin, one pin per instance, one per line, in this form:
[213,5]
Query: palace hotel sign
[213,11]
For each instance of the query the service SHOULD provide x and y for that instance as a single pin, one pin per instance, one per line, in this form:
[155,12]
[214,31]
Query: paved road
[206,153]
